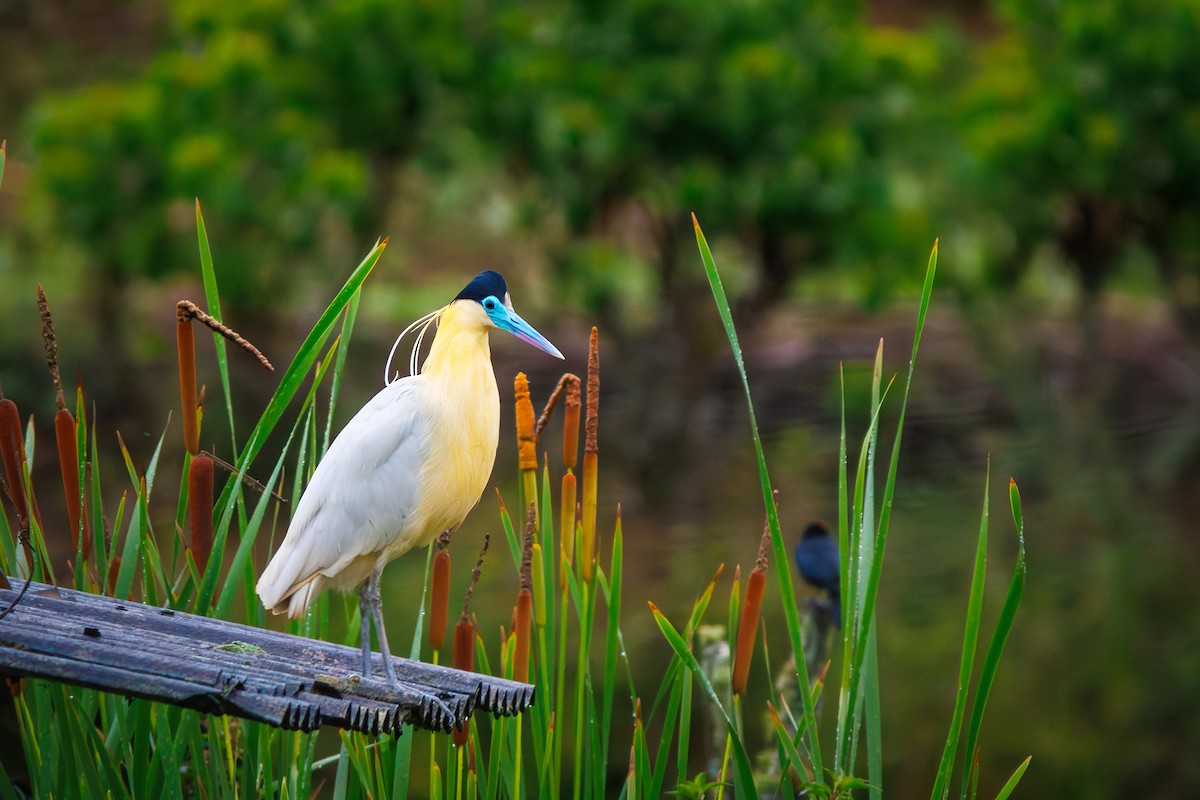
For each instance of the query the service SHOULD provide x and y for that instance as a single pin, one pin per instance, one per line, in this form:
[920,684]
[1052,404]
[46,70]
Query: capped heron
[410,464]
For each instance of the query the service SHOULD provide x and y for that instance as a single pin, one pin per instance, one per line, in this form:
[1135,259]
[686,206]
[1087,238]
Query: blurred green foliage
[808,137]
[771,119]
[1085,120]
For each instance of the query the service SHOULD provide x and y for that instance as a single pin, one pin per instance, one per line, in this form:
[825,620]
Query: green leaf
[941,784]
[783,575]
[212,298]
[293,378]
[1004,624]
[1012,782]
[743,773]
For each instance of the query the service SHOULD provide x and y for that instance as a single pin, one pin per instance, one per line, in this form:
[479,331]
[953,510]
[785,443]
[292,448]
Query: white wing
[361,495]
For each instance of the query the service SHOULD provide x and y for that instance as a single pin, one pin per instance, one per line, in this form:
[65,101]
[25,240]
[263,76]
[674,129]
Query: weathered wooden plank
[223,667]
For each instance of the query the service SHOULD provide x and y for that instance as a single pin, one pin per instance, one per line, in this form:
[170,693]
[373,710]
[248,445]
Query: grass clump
[564,634]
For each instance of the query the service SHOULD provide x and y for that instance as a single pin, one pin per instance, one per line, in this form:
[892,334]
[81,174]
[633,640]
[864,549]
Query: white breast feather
[360,498]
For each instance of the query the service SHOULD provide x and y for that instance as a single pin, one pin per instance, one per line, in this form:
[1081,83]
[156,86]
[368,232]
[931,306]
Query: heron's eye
[489,304]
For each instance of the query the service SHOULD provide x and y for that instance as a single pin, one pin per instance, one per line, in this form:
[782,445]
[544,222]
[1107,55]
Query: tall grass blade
[339,365]
[212,298]
[885,511]
[941,784]
[991,661]
[289,385]
[743,774]
[784,576]
[1012,782]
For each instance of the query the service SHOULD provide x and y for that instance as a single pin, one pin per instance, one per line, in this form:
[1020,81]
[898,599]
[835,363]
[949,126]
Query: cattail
[526,441]
[185,342]
[522,627]
[570,454]
[571,421]
[65,436]
[12,453]
[751,609]
[526,444]
[200,509]
[439,595]
[587,541]
[12,449]
[464,659]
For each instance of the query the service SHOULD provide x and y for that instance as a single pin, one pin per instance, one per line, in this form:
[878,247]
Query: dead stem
[466,609]
[563,384]
[187,310]
[253,483]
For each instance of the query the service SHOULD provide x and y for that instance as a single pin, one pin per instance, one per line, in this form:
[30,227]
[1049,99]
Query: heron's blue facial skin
[504,318]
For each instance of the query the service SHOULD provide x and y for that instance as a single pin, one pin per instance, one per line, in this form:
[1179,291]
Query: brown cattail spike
[751,610]
[587,541]
[12,452]
[523,629]
[526,443]
[571,421]
[200,509]
[68,462]
[464,659]
[186,344]
[593,393]
[439,596]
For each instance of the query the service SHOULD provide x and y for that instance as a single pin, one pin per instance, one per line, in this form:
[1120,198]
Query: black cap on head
[488,283]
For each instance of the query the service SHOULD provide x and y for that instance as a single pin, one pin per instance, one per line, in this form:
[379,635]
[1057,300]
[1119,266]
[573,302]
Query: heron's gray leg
[364,607]
[381,632]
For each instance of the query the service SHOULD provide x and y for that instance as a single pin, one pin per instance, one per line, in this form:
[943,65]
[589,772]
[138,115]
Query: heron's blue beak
[507,319]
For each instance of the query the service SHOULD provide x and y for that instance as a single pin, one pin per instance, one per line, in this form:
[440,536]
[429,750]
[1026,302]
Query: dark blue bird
[817,560]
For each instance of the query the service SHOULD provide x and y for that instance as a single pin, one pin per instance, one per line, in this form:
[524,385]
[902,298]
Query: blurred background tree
[1085,118]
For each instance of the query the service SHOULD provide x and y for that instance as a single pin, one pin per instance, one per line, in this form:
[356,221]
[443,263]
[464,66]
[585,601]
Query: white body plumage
[412,463]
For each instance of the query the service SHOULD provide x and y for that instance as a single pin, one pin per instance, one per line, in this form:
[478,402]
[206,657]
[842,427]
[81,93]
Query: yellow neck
[460,347]
[462,414]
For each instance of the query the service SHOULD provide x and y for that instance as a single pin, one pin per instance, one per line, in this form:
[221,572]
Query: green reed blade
[783,575]
[1012,782]
[343,347]
[216,558]
[612,646]
[1004,624]
[294,375]
[941,784]
[242,556]
[131,554]
[743,774]
[785,742]
[885,510]
[212,298]
[871,703]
